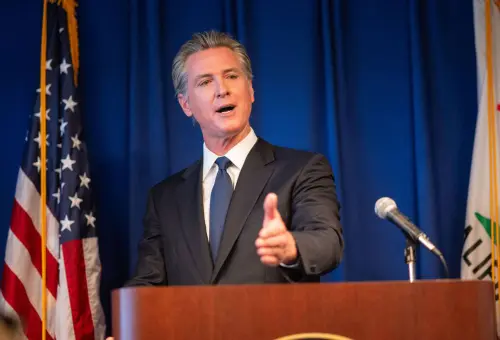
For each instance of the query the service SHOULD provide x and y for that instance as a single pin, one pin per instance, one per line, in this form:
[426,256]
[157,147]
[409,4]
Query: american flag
[73,268]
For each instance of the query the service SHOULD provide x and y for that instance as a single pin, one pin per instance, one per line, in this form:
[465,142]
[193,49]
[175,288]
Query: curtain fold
[424,197]
[148,135]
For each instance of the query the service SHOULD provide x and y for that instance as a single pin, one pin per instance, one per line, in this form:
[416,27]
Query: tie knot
[223,163]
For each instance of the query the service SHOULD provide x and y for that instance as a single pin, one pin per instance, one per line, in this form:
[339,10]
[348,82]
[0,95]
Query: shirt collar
[237,155]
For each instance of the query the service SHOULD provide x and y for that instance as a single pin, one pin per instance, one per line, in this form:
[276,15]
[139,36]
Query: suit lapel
[253,177]
[193,223]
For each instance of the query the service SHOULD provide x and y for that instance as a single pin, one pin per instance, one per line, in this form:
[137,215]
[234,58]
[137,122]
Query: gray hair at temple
[203,41]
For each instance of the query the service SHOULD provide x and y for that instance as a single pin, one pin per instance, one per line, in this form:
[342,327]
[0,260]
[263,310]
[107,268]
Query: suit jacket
[174,249]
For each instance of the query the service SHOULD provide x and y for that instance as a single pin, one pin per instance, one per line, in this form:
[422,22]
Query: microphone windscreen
[383,206]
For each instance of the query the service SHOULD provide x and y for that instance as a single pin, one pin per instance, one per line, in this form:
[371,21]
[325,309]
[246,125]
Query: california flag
[483,203]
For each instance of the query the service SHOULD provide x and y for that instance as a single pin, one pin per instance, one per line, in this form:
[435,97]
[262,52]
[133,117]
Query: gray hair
[203,41]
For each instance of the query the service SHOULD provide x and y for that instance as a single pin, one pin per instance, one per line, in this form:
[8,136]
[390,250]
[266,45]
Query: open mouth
[225,109]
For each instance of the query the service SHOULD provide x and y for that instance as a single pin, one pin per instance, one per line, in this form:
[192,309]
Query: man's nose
[222,89]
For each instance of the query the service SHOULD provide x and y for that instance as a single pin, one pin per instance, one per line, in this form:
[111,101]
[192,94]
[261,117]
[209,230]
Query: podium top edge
[330,284]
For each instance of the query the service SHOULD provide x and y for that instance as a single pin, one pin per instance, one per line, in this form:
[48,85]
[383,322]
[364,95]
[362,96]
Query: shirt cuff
[294,265]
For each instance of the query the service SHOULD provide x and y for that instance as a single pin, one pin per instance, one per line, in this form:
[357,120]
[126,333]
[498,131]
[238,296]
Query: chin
[231,131]
[232,126]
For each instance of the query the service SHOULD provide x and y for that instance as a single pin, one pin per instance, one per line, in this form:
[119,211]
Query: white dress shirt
[237,155]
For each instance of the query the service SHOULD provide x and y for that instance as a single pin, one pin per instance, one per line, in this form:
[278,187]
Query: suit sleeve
[315,222]
[150,269]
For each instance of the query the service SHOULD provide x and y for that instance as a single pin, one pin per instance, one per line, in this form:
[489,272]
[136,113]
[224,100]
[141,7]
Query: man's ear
[184,103]
[252,92]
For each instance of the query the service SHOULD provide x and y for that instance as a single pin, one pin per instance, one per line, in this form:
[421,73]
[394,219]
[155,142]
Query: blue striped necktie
[219,203]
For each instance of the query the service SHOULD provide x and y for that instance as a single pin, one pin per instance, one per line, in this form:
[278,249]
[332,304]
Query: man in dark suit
[248,211]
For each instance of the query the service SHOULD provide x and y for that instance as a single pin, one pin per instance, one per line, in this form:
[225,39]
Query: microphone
[386,209]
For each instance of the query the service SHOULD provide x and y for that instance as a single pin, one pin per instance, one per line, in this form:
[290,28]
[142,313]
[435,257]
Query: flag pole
[492,126]
[43,161]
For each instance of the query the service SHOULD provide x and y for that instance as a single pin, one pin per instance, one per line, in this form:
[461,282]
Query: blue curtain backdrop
[386,89]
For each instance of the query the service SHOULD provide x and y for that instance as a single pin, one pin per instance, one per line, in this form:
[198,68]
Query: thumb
[271,207]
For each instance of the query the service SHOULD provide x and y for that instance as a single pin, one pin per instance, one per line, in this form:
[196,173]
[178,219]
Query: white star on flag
[37,139]
[63,126]
[67,163]
[66,224]
[64,67]
[38,114]
[84,180]
[47,90]
[69,104]
[76,142]
[75,201]
[57,195]
[90,219]
[37,164]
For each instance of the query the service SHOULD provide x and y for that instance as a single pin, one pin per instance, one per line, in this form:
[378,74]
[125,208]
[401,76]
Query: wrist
[291,254]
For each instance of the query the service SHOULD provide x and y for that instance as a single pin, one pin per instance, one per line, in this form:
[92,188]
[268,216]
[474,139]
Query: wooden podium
[443,309]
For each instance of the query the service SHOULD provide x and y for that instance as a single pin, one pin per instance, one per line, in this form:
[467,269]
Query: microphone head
[383,206]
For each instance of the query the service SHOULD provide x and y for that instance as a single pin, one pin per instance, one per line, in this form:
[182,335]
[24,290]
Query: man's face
[219,95]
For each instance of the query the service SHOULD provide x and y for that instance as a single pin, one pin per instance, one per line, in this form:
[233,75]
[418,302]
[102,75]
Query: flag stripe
[72,256]
[15,294]
[10,312]
[28,198]
[25,231]
[93,273]
[18,261]
[64,317]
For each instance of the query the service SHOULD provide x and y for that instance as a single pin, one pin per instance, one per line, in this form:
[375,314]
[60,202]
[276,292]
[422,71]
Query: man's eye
[204,83]
[233,76]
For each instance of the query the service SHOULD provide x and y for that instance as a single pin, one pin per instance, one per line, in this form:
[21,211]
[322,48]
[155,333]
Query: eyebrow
[207,75]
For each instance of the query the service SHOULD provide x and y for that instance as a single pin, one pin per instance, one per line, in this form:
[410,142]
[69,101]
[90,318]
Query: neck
[220,146]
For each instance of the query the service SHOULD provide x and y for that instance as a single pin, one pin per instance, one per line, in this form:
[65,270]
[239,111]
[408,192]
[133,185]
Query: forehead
[211,61]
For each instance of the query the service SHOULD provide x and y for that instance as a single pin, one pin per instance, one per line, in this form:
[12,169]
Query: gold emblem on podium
[313,336]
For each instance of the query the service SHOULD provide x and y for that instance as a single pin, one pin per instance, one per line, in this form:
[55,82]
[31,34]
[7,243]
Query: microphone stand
[410,257]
